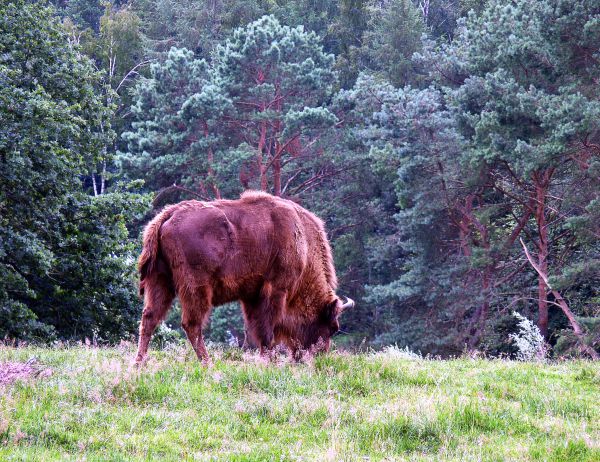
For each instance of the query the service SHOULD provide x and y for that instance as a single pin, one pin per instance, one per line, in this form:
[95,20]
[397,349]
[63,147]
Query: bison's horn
[348,304]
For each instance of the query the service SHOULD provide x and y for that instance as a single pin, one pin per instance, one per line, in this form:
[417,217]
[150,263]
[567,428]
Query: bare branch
[563,305]
[175,186]
[131,72]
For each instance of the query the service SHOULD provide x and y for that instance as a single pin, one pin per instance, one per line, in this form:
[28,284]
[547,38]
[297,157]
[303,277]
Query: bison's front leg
[195,308]
[260,328]
[261,315]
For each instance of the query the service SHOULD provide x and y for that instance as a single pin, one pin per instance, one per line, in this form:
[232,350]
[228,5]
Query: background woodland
[451,147]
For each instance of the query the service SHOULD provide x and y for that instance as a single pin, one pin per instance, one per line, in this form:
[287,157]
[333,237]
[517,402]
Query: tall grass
[95,406]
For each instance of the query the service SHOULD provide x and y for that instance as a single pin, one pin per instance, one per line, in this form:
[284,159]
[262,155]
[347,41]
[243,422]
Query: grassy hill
[85,403]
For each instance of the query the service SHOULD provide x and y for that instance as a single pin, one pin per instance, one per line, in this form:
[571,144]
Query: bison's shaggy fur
[267,252]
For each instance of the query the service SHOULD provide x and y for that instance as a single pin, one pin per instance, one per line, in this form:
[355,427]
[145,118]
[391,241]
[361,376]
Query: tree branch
[175,186]
[563,305]
[131,72]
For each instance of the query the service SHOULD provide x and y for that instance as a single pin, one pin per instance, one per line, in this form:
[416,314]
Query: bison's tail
[149,256]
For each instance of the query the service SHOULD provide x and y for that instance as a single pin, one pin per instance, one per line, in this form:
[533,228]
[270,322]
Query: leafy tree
[55,241]
[84,13]
[227,325]
[117,48]
[92,288]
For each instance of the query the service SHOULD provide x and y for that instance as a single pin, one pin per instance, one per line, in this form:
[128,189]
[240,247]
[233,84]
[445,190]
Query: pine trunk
[541,182]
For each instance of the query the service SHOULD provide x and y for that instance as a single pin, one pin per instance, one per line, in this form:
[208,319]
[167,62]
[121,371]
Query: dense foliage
[65,256]
[452,147]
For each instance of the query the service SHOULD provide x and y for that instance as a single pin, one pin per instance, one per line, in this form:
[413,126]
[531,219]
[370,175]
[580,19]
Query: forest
[452,148]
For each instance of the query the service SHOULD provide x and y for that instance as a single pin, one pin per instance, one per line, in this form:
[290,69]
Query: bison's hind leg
[158,296]
[195,309]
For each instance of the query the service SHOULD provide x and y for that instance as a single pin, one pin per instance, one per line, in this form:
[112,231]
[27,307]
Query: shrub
[529,341]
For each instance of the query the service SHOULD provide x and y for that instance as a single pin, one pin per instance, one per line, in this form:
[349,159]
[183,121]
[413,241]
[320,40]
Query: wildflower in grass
[395,352]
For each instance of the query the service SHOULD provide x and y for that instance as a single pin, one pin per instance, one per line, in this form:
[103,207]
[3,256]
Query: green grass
[95,407]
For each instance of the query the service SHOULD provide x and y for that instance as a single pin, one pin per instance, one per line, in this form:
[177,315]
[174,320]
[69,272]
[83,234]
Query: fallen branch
[563,305]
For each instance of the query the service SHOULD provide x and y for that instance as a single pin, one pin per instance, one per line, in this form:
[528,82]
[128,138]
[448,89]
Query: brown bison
[267,252]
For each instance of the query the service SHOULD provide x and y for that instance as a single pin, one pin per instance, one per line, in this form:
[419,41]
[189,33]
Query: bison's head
[317,335]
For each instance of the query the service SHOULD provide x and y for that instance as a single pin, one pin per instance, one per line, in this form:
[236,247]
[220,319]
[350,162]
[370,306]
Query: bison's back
[235,247]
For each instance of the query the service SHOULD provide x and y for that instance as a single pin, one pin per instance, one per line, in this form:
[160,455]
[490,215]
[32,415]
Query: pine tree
[178,130]
[254,114]
[393,35]
[279,79]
